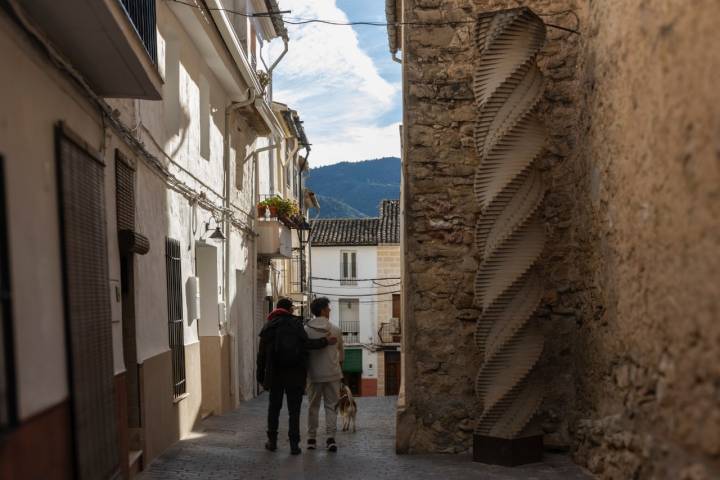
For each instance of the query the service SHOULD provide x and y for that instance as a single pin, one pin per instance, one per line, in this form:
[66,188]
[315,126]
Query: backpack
[289,347]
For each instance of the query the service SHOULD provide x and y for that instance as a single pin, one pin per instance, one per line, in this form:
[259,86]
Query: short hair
[284,303]
[318,305]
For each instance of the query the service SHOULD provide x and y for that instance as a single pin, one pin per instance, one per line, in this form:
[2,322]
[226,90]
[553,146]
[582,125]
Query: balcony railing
[143,17]
[389,333]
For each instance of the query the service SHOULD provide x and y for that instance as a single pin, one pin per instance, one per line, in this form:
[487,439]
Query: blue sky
[341,80]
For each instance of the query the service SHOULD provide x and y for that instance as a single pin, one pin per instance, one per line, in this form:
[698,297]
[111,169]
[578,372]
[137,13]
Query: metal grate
[81,200]
[8,405]
[175,314]
[143,17]
[124,193]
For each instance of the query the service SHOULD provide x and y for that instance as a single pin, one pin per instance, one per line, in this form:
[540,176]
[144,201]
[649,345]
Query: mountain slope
[355,189]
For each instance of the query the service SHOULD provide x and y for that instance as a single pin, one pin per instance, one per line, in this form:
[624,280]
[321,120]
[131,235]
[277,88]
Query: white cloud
[335,86]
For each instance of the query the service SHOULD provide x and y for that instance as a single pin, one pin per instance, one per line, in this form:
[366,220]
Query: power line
[358,295]
[355,287]
[356,279]
[305,21]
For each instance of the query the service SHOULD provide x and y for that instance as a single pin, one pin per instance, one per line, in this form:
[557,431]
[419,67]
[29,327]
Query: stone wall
[631,214]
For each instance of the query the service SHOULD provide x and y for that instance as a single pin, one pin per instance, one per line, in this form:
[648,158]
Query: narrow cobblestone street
[231,447]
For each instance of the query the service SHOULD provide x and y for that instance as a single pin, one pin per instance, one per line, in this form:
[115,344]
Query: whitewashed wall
[326,263]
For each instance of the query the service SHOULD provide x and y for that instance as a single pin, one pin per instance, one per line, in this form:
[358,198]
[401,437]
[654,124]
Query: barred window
[175,315]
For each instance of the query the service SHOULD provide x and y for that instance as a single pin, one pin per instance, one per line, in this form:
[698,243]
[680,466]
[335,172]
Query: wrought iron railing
[389,334]
[297,271]
[143,17]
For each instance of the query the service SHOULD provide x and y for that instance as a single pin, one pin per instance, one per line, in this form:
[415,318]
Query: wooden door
[392,373]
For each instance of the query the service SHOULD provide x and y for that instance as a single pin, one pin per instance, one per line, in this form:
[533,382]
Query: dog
[347,408]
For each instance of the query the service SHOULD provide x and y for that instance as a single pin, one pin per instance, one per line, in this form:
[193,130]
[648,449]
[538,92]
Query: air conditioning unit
[395,325]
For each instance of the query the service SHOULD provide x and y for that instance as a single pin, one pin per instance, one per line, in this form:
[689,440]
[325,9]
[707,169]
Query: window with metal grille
[348,268]
[8,406]
[83,236]
[142,16]
[350,319]
[175,315]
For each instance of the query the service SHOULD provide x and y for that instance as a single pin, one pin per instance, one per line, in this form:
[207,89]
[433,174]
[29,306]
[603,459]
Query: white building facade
[133,281]
[355,264]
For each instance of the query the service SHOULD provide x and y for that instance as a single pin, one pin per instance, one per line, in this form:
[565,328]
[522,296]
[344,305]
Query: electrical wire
[124,132]
[357,295]
[352,287]
[305,21]
[355,279]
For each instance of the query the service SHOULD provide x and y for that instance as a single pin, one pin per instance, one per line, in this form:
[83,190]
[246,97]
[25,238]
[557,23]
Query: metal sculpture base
[507,452]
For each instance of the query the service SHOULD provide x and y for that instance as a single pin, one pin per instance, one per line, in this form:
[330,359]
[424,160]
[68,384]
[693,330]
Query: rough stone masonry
[632,165]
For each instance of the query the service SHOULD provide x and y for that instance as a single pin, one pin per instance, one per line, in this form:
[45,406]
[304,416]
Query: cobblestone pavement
[231,447]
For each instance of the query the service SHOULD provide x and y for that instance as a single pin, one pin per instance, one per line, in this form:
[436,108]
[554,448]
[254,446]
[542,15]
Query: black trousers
[294,396]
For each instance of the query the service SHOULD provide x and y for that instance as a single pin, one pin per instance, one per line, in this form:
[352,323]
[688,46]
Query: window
[350,319]
[295,182]
[204,99]
[8,416]
[396,305]
[175,315]
[348,268]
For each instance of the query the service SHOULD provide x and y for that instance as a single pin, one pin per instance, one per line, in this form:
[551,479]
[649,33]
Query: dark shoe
[331,445]
[312,444]
[295,448]
[271,444]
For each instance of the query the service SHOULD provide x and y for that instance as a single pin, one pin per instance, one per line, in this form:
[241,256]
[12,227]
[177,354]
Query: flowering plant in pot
[275,205]
[262,208]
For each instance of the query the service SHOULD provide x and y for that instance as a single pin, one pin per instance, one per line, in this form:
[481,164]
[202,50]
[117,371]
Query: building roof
[344,231]
[327,232]
[389,228]
[276,19]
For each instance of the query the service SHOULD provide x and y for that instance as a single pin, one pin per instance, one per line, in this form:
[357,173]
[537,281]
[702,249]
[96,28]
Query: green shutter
[353,361]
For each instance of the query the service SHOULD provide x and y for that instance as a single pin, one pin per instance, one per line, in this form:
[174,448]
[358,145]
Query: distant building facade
[356,264]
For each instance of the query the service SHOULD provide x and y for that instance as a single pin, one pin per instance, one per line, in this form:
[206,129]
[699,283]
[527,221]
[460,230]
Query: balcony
[390,333]
[274,239]
[112,43]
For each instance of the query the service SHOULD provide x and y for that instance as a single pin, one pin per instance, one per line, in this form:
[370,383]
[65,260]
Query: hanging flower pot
[273,211]
[261,210]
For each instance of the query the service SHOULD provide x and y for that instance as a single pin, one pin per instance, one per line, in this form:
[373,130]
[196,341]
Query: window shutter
[81,188]
[344,264]
[354,265]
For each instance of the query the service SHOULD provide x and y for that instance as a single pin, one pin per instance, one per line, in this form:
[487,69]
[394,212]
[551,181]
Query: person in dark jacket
[282,368]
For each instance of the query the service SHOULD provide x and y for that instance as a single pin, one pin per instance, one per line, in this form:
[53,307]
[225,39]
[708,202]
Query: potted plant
[273,204]
[262,209]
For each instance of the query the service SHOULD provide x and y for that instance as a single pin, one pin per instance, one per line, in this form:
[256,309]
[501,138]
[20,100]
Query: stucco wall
[631,216]
[326,263]
[647,145]
[27,144]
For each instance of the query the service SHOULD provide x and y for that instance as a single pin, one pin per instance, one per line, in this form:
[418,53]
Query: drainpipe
[256,179]
[275,63]
[229,110]
[309,242]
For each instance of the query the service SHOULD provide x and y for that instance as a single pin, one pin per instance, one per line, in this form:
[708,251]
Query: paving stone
[231,447]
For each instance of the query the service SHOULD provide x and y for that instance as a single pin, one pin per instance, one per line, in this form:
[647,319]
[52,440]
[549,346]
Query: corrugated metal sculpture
[509,234]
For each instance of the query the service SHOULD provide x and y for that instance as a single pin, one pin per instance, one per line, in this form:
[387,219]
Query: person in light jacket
[324,374]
